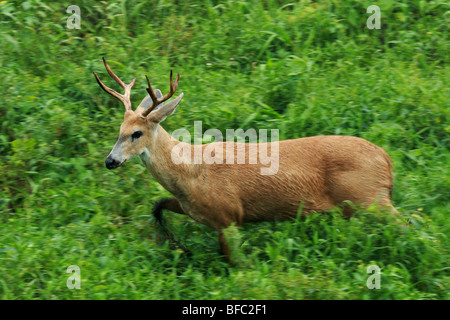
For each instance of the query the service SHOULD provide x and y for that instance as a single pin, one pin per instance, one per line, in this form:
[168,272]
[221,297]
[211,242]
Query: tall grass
[305,68]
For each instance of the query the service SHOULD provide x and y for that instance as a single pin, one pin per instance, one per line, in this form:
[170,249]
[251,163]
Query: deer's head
[139,127]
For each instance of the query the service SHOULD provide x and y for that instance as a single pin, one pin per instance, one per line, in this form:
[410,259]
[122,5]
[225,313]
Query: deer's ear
[162,111]
[147,101]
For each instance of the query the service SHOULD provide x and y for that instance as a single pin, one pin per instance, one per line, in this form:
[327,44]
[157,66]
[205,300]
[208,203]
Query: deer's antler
[156,101]
[125,98]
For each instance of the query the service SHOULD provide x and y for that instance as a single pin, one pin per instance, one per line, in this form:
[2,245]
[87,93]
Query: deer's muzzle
[111,163]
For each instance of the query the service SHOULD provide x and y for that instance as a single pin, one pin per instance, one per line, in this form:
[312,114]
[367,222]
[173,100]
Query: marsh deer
[314,173]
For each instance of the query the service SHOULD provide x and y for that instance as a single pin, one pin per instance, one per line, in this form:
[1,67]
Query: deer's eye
[136,135]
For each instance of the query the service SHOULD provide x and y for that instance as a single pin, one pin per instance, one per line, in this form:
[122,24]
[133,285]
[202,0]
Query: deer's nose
[111,163]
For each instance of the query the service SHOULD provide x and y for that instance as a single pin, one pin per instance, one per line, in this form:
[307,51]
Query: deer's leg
[224,248]
[226,221]
[171,204]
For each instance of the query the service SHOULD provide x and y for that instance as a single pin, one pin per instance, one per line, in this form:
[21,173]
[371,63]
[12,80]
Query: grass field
[306,68]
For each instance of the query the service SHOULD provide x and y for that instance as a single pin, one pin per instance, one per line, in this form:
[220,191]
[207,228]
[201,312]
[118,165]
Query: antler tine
[124,98]
[112,74]
[156,101]
[152,95]
[173,86]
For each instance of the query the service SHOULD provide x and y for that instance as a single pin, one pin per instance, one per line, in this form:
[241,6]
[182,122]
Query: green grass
[305,68]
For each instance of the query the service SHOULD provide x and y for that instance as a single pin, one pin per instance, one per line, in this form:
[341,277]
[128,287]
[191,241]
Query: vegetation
[306,68]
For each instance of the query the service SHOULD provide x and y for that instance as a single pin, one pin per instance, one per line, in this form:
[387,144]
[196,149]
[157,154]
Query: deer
[315,174]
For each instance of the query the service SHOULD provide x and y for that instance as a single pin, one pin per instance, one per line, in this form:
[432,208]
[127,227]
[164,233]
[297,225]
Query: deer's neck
[159,160]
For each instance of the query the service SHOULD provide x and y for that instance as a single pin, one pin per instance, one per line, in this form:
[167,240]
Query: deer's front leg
[171,204]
